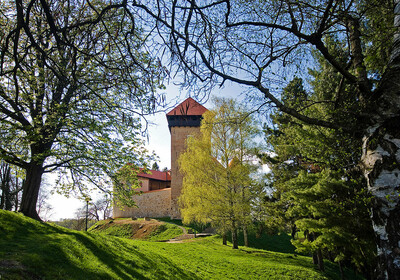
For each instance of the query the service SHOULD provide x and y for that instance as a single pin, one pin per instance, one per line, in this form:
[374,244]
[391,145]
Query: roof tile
[156,175]
[189,107]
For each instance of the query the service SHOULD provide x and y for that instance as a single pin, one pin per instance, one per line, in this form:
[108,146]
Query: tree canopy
[318,188]
[75,78]
[218,170]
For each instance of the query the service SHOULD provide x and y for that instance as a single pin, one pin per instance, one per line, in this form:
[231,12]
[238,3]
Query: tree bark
[234,239]
[381,163]
[224,242]
[6,195]
[381,159]
[293,232]
[245,237]
[16,198]
[341,270]
[320,260]
[31,186]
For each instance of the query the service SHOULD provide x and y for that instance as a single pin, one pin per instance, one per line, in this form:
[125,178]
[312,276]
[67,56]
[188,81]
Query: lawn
[35,250]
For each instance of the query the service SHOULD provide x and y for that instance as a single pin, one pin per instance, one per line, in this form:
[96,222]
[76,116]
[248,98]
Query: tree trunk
[320,260]
[293,232]
[224,239]
[30,189]
[2,199]
[381,162]
[310,237]
[6,196]
[245,238]
[16,197]
[381,159]
[341,270]
[234,239]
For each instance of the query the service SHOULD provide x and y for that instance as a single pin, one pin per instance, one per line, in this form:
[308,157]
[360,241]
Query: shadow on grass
[51,252]
[275,243]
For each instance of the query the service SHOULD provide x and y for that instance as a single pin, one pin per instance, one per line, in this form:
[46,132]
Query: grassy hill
[35,250]
[152,230]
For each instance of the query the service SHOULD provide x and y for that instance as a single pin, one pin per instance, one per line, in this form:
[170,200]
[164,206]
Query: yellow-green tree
[218,168]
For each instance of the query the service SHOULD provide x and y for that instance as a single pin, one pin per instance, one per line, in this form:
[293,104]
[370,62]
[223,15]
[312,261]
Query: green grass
[276,243]
[110,228]
[165,232]
[193,226]
[35,250]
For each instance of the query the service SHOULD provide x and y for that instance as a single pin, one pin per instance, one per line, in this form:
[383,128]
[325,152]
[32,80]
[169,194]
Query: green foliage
[75,80]
[155,166]
[317,189]
[125,182]
[218,169]
[378,30]
[335,210]
[32,250]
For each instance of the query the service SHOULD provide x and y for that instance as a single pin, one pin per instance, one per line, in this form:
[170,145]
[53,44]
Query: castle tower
[183,121]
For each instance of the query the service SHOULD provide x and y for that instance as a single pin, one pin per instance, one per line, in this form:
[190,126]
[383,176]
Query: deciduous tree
[10,187]
[74,78]
[217,168]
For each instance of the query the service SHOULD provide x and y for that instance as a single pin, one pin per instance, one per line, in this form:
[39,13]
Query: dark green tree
[332,212]
[318,185]
[155,166]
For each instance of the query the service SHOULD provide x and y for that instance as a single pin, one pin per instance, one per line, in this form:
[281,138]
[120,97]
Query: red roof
[189,107]
[156,175]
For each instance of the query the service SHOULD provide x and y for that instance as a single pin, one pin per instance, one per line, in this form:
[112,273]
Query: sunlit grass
[162,232]
[34,250]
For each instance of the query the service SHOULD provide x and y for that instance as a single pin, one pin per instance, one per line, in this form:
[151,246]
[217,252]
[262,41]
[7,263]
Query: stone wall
[155,204]
[179,135]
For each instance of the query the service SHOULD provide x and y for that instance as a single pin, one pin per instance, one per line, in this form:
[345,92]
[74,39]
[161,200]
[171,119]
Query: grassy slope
[165,232]
[159,232]
[34,250]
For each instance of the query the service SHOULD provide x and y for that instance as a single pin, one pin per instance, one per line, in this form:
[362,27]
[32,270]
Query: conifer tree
[318,188]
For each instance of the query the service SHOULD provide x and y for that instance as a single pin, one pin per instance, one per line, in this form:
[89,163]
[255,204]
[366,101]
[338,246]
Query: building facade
[161,190]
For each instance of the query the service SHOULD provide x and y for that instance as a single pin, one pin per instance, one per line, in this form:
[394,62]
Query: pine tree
[318,188]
